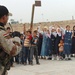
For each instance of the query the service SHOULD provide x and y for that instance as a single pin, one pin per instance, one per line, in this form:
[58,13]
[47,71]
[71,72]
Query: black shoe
[66,59]
[25,63]
[72,56]
[22,62]
[61,59]
[17,62]
[69,59]
[41,57]
[31,63]
[38,63]
[49,58]
[45,58]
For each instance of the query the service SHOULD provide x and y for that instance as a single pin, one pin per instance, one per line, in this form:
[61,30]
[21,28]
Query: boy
[27,40]
[21,53]
[34,49]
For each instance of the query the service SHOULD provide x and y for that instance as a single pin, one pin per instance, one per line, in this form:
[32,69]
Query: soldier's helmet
[4,11]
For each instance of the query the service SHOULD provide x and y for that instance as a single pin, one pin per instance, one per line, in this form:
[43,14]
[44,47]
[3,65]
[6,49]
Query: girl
[44,42]
[53,39]
[61,49]
[58,38]
[67,42]
[73,41]
[49,45]
[40,44]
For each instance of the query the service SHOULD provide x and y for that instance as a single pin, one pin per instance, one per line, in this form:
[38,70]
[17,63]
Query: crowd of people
[50,43]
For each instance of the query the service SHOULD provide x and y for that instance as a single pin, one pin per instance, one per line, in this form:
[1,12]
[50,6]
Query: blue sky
[51,10]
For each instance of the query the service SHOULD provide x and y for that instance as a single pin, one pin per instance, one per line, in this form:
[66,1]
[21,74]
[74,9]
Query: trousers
[1,70]
[34,51]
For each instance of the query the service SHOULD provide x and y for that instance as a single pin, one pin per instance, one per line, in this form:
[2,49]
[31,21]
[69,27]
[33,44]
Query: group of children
[31,47]
[29,42]
[56,44]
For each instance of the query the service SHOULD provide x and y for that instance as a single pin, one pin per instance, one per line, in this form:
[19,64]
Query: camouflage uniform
[7,50]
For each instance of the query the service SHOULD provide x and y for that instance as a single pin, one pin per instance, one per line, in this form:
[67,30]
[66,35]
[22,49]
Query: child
[21,53]
[44,43]
[53,39]
[61,48]
[67,42]
[27,47]
[58,38]
[48,46]
[34,48]
[40,37]
[73,41]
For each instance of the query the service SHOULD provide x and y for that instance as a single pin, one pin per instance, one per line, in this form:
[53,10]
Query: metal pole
[32,17]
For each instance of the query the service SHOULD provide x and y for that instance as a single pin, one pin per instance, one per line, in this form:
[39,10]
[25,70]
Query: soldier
[7,47]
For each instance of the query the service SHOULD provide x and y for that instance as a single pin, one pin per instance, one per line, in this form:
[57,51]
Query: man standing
[7,48]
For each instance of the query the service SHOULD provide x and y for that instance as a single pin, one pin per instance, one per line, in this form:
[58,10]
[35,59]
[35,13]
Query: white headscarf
[59,33]
[54,33]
